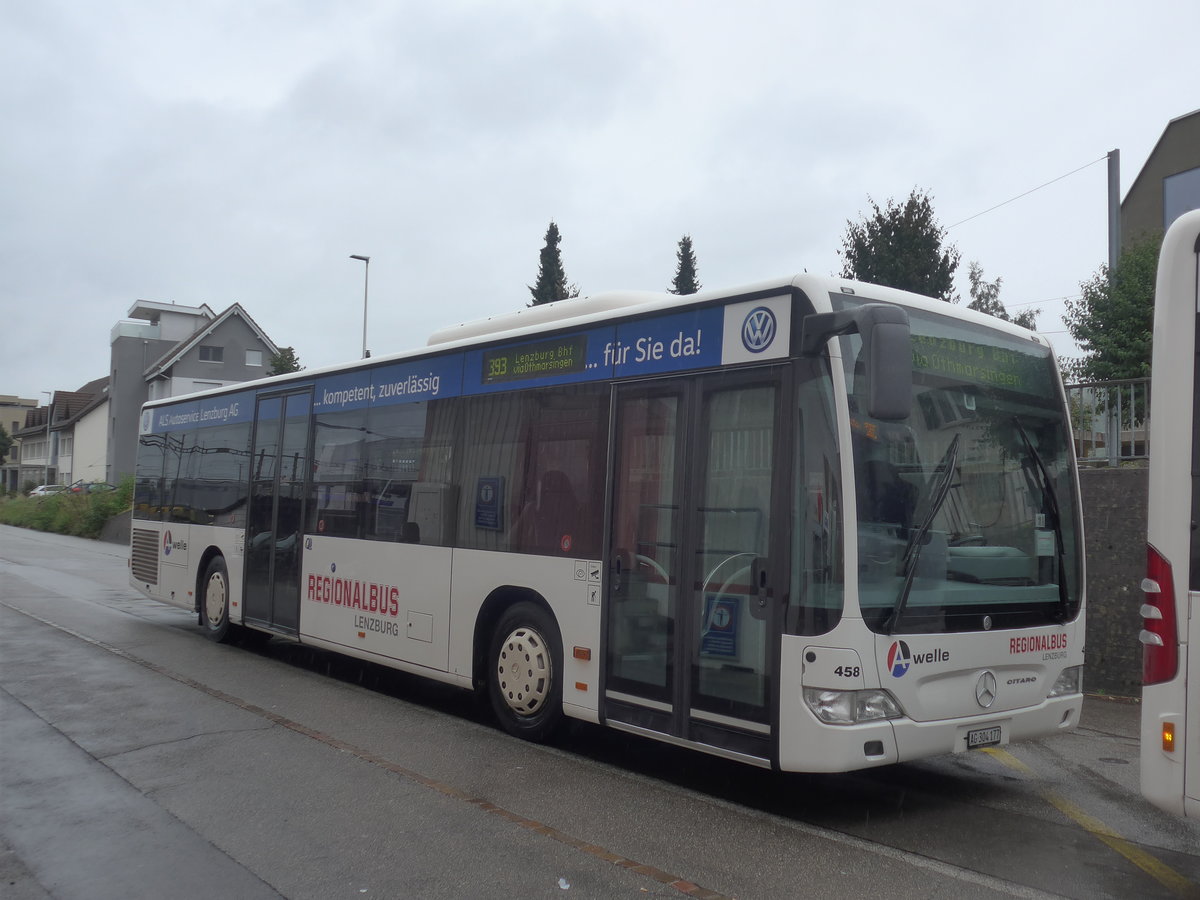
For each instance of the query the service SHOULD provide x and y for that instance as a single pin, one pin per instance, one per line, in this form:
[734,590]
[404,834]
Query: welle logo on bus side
[169,543]
[900,659]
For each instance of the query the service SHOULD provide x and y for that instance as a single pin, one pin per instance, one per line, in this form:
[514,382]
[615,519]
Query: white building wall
[89,459]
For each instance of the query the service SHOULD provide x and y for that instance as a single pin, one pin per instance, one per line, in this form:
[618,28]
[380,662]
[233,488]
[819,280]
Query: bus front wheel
[525,680]
[214,600]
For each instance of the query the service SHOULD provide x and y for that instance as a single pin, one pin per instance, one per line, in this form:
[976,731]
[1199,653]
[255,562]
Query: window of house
[209,353]
[254,357]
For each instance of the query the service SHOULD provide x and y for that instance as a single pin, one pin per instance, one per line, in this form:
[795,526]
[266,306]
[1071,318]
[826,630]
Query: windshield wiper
[916,539]
[1060,553]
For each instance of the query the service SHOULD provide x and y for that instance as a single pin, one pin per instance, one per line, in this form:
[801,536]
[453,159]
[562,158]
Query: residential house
[12,417]
[81,424]
[164,350]
[61,443]
[38,463]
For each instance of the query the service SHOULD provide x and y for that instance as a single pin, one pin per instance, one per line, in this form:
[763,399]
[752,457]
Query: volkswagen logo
[985,690]
[758,330]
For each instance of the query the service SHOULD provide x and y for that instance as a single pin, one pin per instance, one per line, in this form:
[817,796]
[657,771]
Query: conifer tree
[551,280]
[685,273]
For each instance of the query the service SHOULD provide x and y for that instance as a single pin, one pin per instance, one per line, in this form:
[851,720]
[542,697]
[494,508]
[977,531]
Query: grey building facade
[1168,184]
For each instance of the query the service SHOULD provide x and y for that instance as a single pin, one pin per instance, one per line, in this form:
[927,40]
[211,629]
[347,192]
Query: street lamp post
[49,407]
[366,260]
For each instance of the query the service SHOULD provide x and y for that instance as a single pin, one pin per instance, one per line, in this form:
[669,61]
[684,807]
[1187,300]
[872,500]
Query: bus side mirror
[886,352]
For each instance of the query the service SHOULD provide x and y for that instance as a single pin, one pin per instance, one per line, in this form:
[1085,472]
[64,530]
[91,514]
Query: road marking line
[1158,870]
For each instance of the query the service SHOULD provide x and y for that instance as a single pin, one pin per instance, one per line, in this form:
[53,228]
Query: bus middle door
[279,476]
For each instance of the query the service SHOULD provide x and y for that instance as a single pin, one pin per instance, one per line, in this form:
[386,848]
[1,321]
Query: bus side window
[549,515]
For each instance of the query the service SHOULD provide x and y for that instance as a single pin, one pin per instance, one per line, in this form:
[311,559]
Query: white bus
[809,524]
[1170,753]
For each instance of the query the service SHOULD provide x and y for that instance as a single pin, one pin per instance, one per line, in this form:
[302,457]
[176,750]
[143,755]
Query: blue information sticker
[489,502]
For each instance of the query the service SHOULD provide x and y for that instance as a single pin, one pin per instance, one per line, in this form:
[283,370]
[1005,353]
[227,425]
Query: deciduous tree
[901,246]
[284,361]
[1113,320]
[985,297]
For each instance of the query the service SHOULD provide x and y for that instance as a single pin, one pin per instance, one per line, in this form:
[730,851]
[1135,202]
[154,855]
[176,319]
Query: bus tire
[214,600]
[525,672]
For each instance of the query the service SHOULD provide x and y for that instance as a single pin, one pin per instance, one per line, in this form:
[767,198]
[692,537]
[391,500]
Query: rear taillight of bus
[1159,637]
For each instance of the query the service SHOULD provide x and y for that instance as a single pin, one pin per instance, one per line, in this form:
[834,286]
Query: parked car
[45,490]
[91,487]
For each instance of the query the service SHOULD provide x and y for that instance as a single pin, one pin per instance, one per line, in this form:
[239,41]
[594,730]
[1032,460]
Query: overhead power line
[1028,192]
[1047,300]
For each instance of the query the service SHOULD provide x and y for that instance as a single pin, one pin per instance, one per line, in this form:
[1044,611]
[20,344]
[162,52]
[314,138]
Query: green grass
[82,515]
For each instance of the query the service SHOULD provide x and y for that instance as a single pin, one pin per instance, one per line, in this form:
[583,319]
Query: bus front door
[279,473]
[695,557]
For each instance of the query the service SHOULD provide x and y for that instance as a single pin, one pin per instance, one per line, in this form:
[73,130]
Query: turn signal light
[1168,737]
[584,653]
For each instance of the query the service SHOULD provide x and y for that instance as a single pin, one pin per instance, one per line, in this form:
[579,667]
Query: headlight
[1069,682]
[850,707]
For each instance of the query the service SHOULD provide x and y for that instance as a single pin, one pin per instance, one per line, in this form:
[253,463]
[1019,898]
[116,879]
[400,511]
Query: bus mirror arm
[886,351]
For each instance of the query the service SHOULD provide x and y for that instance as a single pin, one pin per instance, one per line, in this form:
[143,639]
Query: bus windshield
[967,509]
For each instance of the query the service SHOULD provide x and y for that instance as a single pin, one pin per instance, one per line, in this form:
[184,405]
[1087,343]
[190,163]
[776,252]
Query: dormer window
[209,353]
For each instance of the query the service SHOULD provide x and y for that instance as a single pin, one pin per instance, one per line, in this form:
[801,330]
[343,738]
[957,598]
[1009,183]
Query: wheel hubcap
[524,671]
[214,600]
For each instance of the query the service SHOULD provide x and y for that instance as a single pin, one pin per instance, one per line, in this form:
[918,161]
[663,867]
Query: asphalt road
[138,759]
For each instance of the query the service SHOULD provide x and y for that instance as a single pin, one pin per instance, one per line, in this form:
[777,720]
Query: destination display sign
[992,366]
[539,359]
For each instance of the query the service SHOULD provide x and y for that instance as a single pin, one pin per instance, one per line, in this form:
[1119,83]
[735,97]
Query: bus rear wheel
[214,600]
[524,677]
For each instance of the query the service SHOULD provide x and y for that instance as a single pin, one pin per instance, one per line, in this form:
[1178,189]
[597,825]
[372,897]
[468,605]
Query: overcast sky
[241,150]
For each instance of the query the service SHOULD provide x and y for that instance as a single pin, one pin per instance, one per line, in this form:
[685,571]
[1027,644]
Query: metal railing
[1110,420]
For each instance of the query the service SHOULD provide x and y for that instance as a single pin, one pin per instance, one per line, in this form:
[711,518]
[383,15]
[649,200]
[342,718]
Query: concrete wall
[1114,521]
[118,529]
